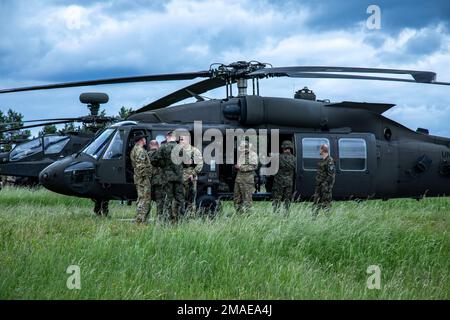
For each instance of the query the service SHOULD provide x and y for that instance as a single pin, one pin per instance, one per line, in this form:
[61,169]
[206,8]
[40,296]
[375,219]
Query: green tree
[10,120]
[125,112]
[49,129]
[69,127]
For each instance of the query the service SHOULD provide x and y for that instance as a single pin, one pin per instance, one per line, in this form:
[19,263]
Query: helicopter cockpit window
[352,154]
[26,149]
[311,152]
[160,138]
[96,147]
[54,144]
[115,148]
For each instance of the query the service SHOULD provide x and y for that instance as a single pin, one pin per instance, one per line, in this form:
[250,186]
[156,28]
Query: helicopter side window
[26,149]
[311,152]
[352,154]
[54,144]
[96,147]
[115,149]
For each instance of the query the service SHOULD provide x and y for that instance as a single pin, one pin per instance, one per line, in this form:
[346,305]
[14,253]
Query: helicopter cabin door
[355,161]
[112,167]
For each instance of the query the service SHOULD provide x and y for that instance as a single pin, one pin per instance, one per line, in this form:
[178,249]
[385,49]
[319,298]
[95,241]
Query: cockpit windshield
[96,147]
[26,149]
[55,144]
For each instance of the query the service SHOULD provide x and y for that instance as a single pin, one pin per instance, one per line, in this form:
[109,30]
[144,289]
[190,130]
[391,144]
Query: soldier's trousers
[282,194]
[244,186]
[173,200]
[143,200]
[322,197]
[159,195]
[190,193]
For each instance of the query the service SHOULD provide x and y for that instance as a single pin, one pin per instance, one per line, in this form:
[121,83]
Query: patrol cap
[287,144]
[139,135]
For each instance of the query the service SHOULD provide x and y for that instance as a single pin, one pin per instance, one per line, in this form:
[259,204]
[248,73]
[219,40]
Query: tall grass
[262,255]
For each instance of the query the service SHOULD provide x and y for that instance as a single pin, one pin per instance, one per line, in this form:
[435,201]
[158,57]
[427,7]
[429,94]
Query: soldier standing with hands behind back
[142,173]
[283,183]
[244,185]
[325,177]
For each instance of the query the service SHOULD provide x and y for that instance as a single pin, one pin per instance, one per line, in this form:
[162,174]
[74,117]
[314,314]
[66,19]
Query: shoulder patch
[331,167]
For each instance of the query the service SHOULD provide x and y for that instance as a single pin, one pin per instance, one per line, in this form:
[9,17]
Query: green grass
[259,256]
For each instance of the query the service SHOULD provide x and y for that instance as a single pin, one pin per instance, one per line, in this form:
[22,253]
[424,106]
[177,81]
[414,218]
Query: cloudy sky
[56,41]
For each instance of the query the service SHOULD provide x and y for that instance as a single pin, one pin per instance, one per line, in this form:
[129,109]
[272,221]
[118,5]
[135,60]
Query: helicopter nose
[52,177]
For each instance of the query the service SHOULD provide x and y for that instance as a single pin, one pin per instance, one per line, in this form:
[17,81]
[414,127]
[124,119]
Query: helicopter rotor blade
[145,78]
[35,126]
[323,72]
[86,119]
[184,93]
[37,120]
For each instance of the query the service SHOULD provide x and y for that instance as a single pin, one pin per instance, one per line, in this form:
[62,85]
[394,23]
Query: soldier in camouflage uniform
[157,181]
[326,172]
[283,183]
[142,172]
[244,185]
[192,166]
[173,178]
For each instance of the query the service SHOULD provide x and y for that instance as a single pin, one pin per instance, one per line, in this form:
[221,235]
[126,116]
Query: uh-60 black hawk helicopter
[375,157]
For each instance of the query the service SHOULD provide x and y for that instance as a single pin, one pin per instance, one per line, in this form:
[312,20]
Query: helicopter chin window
[26,149]
[96,147]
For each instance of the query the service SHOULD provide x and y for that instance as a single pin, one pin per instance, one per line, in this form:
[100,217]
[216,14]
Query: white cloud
[75,41]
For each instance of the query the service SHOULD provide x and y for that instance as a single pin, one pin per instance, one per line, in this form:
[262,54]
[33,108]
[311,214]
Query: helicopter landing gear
[208,205]
[101,207]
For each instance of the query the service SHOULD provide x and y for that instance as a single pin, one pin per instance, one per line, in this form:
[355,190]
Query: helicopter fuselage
[375,156]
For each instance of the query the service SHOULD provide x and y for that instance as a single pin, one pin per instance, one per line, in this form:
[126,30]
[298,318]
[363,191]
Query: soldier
[173,178]
[283,183]
[324,181]
[192,165]
[244,185]
[142,172]
[157,181]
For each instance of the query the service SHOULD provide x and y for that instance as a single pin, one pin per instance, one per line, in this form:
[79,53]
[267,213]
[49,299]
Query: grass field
[259,256]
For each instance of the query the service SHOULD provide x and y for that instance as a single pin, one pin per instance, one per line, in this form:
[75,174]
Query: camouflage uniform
[192,165]
[244,185]
[283,183]
[173,181]
[142,172]
[324,184]
[157,181]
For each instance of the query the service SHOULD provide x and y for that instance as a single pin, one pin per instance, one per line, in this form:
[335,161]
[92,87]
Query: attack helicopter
[375,156]
[27,159]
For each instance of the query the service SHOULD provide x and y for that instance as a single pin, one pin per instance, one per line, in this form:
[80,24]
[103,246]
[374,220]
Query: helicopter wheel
[208,205]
